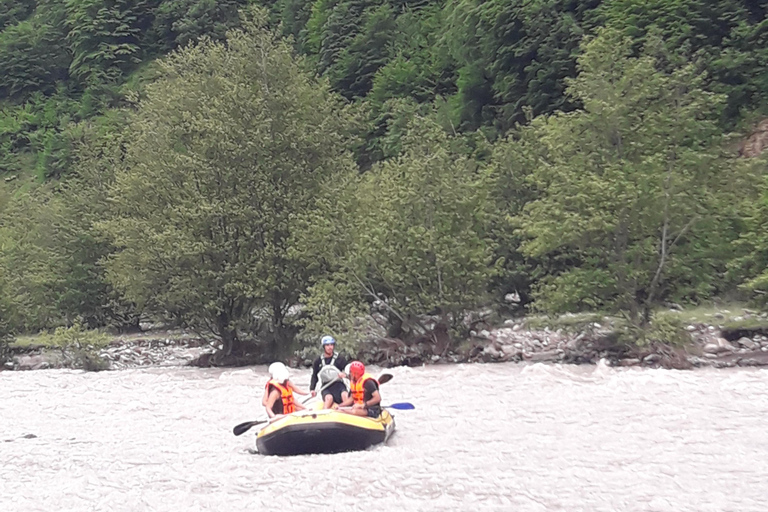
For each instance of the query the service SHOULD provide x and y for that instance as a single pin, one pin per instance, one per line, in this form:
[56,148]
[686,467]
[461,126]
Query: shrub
[79,347]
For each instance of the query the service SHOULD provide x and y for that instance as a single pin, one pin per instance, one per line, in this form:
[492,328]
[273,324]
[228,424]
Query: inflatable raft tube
[323,431]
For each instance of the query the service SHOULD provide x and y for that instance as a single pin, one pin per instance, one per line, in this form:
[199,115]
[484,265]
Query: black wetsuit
[338,387]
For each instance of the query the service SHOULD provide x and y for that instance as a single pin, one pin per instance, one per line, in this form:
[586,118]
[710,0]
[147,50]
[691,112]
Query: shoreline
[710,345]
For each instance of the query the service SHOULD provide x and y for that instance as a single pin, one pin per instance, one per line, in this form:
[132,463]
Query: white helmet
[279,372]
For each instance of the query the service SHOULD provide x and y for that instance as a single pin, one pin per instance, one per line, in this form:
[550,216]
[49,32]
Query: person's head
[328,344]
[356,370]
[279,372]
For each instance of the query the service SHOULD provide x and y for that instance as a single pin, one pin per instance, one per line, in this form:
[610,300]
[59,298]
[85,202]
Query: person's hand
[342,375]
[313,393]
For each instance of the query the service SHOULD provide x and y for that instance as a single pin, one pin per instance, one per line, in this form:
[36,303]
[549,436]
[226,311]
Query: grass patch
[570,322]
[33,340]
[707,313]
[747,324]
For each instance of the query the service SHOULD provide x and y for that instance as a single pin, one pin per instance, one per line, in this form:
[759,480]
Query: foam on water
[501,437]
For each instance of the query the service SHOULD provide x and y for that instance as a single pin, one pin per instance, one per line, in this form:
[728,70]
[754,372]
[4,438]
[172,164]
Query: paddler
[364,398]
[278,393]
[328,369]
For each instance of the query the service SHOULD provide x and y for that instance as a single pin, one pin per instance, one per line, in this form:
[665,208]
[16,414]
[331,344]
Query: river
[504,437]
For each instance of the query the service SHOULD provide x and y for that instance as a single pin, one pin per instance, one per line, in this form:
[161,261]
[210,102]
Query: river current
[504,437]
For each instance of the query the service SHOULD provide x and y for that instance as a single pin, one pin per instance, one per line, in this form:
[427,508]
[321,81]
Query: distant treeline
[270,171]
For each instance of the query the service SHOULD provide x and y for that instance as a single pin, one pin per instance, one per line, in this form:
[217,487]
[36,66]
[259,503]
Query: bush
[79,347]
[661,330]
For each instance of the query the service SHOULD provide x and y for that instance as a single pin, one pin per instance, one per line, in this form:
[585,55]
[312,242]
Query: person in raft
[278,393]
[364,392]
[328,369]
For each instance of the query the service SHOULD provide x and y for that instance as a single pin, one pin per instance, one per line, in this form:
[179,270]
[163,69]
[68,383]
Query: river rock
[547,355]
[747,343]
[652,358]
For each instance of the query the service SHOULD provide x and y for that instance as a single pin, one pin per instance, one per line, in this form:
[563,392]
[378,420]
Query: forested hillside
[267,170]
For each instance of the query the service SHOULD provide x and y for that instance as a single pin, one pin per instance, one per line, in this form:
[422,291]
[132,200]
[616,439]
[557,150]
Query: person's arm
[269,402]
[341,364]
[295,388]
[373,389]
[313,380]
[350,400]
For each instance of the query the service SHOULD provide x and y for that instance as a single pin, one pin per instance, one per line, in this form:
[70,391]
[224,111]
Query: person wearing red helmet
[364,398]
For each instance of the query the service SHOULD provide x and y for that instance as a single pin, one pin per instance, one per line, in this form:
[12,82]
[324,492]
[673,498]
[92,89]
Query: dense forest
[267,170]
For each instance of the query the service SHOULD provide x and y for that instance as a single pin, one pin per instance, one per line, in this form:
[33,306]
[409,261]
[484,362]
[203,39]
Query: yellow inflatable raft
[323,431]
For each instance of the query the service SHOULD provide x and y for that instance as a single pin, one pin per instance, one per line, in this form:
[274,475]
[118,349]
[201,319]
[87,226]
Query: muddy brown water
[503,437]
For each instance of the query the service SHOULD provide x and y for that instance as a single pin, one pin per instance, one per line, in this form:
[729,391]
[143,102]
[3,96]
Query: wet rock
[36,361]
[652,358]
[712,348]
[747,343]
[754,359]
[547,355]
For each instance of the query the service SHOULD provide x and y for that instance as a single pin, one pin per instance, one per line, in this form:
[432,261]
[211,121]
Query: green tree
[224,157]
[413,240]
[630,186]
[749,262]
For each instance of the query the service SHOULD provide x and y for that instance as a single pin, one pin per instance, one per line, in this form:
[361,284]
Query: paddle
[401,406]
[245,427]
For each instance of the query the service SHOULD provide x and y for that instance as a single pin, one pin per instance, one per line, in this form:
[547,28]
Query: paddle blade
[384,378]
[402,406]
[245,427]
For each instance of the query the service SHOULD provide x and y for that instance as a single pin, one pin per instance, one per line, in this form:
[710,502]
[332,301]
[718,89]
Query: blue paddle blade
[403,406]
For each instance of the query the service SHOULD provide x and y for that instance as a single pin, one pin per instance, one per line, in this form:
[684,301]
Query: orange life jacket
[357,389]
[286,395]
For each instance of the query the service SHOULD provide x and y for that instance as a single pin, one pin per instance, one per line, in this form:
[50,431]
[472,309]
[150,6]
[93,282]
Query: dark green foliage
[293,16]
[179,22]
[728,38]
[104,36]
[32,58]
[366,53]
[14,11]
[512,55]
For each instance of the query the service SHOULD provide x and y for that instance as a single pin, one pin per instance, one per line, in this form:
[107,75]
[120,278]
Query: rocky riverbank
[151,348]
[711,344]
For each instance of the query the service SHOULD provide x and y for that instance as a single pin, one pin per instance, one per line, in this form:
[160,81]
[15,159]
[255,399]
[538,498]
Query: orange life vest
[286,395]
[357,389]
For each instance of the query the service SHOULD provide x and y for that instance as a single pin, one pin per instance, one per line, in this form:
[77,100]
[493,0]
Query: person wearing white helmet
[328,369]
[278,393]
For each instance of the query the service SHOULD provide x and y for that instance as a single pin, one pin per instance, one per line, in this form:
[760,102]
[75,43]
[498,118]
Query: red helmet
[356,369]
